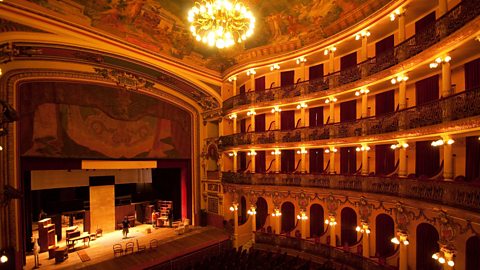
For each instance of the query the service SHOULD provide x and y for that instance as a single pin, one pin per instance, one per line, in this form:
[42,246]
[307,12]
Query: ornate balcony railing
[450,22]
[459,106]
[324,251]
[462,195]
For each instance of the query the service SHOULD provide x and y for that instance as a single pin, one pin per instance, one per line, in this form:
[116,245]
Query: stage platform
[100,253]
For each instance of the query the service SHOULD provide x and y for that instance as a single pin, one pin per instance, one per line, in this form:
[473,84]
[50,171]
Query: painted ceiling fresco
[161,25]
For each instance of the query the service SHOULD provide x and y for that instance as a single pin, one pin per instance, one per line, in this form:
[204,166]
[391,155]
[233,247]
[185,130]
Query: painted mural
[161,25]
[70,120]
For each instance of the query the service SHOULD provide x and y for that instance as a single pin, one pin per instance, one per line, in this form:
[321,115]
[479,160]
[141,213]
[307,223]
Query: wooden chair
[129,248]
[153,244]
[141,247]
[117,249]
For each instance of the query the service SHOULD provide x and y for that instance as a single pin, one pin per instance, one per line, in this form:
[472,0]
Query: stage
[99,255]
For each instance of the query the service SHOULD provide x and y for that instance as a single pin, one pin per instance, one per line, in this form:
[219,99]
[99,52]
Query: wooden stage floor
[101,254]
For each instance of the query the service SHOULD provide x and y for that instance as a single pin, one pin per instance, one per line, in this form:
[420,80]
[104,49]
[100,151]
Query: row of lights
[363,91]
[440,60]
[363,229]
[396,241]
[400,145]
[442,142]
[334,150]
[439,256]
[362,149]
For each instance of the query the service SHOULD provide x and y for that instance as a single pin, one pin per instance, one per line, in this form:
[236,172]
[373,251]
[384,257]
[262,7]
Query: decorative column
[277,154]
[446,142]
[331,222]
[365,230]
[233,117]
[220,126]
[401,24]
[252,155]
[276,216]
[253,214]
[447,89]
[251,73]
[301,60]
[276,110]
[233,79]
[303,155]
[302,217]
[234,155]
[402,95]
[442,7]
[234,209]
[302,115]
[252,114]
[364,149]
[402,240]
[332,150]
[402,158]
[331,63]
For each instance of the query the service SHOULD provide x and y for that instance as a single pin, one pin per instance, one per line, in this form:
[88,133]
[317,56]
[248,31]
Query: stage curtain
[287,78]
[315,72]
[427,159]
[427,90]
[242,159]
[384,159]
[260,84]
[287,120]
[243,125]
[472,163]
[260,122]
[384,103]
[472,75]
[260,162]
[288,161]
[316,160]
[348,111]
[348,160]
[315,117]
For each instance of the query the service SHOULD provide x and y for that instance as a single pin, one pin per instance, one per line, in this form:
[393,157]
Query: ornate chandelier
[220,23]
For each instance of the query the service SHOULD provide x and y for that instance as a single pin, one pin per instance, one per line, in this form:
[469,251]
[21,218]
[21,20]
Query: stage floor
[101,254]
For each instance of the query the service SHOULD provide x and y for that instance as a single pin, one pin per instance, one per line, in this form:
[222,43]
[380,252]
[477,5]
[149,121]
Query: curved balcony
[464,195]
[459,106]
[317,249]
[450,22]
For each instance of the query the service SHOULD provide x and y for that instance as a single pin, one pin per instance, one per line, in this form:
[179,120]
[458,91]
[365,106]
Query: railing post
[447,159]
[402,162]
[401,26]
[235,161]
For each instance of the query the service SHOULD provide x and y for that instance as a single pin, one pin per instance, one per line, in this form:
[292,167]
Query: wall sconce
[232,154]
[233,78]
[396,13]
[302,151]
[276,152]
[252,211]
[234,207]
[0,72]
[302,105]
[331,99]
[251,112]
[363,148]
[400,145]
[302,215]
[402,238]
[331,221]
[330,50]
[400,78]
[276,213]
[362,34]
[251,72]
[276,109]
[274,67]
[440,60]
[3,257]
[301,59]
[442,142]
[252,153]
[362,91]
[1,148]
[445,255]
[363,229]
[232,116]
[334,150]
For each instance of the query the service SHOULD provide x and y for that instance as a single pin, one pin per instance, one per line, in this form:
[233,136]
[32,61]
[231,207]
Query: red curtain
[287,78]
[348,160]
[288,217]
[242,159]
[472,163]
[427,244]
[348,61]
[260,162]
[315,117]
[348,111]
[316,160]
[315,72]
[242,89]
[262,212]
[243,125]
[384,232]
[472,251]
[316,220]
[287,120]
[348,225]
[260,84]
[472,75]
[288,161]
[427,90]
[384,102]
[424,23]
[427,159]
[260,122]
[384,47]
[384,159]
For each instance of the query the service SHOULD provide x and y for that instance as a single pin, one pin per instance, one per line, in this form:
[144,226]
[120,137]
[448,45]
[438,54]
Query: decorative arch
[472,260]
[317,217]
[262,212]
[384,232]
[243,211]
[427,244]
[288,217]
[348,234]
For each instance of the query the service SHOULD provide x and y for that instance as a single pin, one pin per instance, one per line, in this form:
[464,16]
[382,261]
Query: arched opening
[262,212]
[384,232]
[243,211]
[349,223]
[472,260]
[316,220]
[427,244]
[288,217]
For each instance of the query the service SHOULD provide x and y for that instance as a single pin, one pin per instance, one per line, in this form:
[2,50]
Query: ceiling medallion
[220,23]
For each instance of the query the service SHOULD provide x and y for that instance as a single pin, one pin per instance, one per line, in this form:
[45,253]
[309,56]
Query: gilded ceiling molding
[10,26]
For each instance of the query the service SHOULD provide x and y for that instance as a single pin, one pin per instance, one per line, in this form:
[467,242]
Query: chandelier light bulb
[406,242]
[450,141]
[435,256]
[251,72]
[441,260]
[395,241]
[300,60]
[451,263]
[274,67]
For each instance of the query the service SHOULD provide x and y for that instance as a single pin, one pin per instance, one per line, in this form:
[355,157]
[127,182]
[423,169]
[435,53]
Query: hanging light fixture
[220,23]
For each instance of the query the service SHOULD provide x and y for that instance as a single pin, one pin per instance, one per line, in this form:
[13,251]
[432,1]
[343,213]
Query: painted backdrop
[69,120]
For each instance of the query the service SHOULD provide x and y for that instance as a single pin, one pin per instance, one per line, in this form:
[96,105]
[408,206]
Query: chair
[117,249]
[129,248]
[141,247]
[153,244]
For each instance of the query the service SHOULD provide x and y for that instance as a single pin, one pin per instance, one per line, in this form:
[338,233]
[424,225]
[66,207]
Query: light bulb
[451,263]
[3,258]
[435,256]
[441,260]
